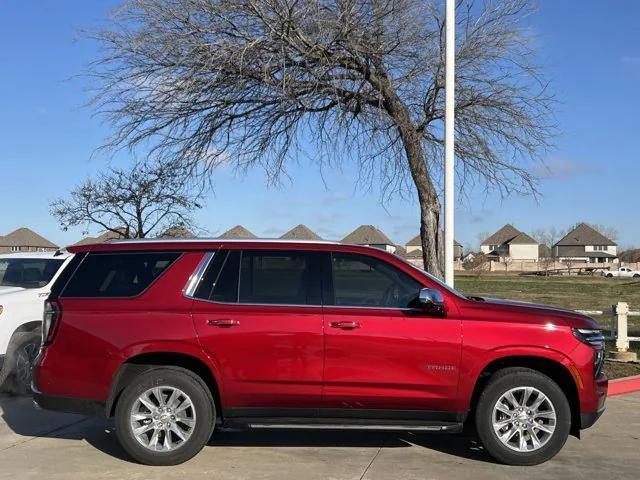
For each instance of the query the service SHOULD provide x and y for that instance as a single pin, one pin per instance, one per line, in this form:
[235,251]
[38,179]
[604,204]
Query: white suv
[25,280]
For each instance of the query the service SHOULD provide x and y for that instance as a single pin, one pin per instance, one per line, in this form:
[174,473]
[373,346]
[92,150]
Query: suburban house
[370,236]
[585,244]
[104,237]
[416,244]
[300,232]
[25,240]
[238,232]
[510,243]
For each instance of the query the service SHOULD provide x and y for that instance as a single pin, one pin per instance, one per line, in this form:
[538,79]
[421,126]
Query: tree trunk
[430,236]
[430,233]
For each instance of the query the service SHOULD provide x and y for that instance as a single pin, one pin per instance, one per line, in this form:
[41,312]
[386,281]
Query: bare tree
[549,236]
[506,261]
[255,82]
[134,203]
[478,264]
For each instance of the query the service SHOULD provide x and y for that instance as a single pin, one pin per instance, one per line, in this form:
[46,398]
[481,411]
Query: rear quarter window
[112,275]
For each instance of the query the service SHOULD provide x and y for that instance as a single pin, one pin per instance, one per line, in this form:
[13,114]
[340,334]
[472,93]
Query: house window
[15,249]
[600,248]
[493,247]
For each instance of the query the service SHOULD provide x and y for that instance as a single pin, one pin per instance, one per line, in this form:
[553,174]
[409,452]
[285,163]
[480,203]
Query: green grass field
[577,292]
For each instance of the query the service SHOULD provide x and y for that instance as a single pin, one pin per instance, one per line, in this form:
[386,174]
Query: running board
[343,424]
[328,426]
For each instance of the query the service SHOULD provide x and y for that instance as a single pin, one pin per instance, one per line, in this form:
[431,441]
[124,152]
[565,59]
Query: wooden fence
[620,331]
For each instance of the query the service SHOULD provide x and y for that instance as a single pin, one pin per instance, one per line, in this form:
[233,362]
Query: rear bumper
[69,405]
[588,419]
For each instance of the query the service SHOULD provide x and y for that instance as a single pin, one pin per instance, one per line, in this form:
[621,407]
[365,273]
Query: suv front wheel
[165,416]
[522,417]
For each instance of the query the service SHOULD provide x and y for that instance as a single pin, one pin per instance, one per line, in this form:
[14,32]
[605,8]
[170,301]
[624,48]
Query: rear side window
[262,277]
[117,274]
[220,282]
[280,277]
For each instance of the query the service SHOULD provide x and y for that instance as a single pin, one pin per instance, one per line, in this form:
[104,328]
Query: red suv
[174,338]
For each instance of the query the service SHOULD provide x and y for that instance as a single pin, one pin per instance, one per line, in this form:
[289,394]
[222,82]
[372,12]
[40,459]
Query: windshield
[28,272]
[439,282]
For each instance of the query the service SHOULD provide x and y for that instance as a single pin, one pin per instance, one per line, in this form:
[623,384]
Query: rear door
[258,315]
[381,352]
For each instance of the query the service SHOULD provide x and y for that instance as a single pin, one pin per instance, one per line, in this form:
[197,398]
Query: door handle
[223,322]
[345,325]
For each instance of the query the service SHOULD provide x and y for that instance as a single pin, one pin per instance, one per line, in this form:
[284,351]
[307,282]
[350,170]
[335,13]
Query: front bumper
[588,419]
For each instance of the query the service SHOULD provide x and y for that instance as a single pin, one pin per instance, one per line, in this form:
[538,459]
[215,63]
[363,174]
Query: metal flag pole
[450,38]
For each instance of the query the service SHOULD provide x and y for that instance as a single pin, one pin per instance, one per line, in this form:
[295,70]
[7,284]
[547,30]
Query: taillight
[50,320]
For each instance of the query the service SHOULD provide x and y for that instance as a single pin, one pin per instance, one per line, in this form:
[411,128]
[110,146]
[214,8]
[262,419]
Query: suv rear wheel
[165,416]
[522,417]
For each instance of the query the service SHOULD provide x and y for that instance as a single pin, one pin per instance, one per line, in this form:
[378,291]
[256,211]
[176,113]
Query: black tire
[17,371]
[203,404]
[500,383]
[609,275]
[636,275]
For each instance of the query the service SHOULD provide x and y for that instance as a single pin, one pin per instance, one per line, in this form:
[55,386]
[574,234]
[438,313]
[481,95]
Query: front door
[258,315]
[381,352]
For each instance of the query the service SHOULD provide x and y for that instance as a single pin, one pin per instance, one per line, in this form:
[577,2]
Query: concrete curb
[620,386]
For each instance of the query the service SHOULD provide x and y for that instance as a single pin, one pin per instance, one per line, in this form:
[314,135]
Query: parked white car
[25,280]
[623,272]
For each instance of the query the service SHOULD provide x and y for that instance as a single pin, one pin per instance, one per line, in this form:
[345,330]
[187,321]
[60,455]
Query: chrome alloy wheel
[524,419]
[24,362]
[163,419]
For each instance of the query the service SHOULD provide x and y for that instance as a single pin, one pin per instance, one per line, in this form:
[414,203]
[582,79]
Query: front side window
[28,272]
[363,281]
[112,275]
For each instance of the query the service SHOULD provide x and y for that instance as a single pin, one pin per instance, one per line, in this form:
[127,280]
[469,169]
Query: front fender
[474,366]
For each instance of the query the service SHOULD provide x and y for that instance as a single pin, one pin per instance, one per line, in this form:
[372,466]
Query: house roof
[522,239]
[301,232]
[504,235]
[176,232]
[237,232]
[25,237]
[417,253]
[417,242]
[400,250]
[104,237]
[367,235]
[582,235]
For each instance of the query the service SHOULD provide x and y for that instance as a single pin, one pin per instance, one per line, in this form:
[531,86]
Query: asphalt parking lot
[38,444]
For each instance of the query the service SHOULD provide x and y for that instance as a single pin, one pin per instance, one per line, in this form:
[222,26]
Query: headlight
[590,336]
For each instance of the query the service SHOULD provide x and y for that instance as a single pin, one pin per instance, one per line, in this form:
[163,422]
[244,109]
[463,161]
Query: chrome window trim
[202,267]
[404,309]
[195,278]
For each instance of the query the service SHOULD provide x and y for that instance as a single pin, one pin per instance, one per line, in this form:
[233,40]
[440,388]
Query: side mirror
[431,300]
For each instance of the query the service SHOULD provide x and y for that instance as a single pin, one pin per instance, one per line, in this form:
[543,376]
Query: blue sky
[591,50]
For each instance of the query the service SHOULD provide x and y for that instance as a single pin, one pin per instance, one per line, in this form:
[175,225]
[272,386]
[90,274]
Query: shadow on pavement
[20,420]
[465,445]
